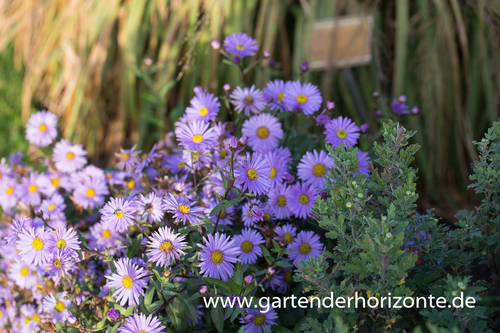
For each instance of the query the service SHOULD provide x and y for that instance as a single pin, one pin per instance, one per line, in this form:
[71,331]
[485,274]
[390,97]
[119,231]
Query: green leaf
[218,283]
[188,307]
[238,274]
[135,246]
[225,204]
[149,296]
[217,315]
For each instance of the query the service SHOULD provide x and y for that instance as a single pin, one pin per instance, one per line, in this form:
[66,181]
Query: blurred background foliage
[121,71]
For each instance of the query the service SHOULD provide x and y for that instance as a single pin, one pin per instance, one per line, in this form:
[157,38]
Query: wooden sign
[341,42]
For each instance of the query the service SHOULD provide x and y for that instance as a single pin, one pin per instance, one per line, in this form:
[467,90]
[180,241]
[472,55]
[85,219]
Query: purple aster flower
[57,307]
[277,201]
[300,199]
[16,227]
[148,159]
[249,244]
[22,274]
[278,166]
[342,130]
[139,323]
[9,193]
[41,128]
[30,189]
[33,245]
[218,256]
[91,193]
[251,212]
[257,321]
[253,175]
[285,233]
[183,210]
[241,45]
[225,216]
[104,236]
[53,206]
[275,94]
[127,158]
[150,207]
[64,240]
[204,106]
[59,265]
[273,282]
[68,158]
[399,107]
[118,213]
[248,100]
[175,163]
[302,97]
[263,131]
[313,167]
[363,164]
[129,280]
[197,136]
[305,245]
[165,246]
[321,119]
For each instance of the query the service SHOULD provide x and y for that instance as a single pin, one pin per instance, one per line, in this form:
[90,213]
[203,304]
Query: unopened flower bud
[272,62]
[113,315]
[72,320]
[226,87]
[38,211]
[305,66]
[243,140]
[454,293]
[167,274]
[388,235]
[289,178]
[378,113]
[462,286]
[375,94]
[330,105]
[283,243]
[204,290]
[415,110]
[236,59]
[323,195]
[198,90]
[402,98]
[249,318]
[364,128]
[248,280]
[232,142]
[215,44]
[271,271]
[148,61]
[267,54]
[348,205]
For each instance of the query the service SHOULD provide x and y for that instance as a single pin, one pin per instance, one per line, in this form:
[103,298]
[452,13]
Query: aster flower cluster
[202,204]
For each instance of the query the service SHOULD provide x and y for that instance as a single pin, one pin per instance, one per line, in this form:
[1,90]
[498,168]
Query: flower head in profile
[127,158]
[313,167]
[363,164]
[249,244]
[129,281]
[147,159]
[118,213]
[33,245]
[342,130]
[253,174]
[306,244]
[204,106]
[165,246]
[197,136]
[302,97]
[16,227]
[41,128]
[68,158]
[57,306]
[300,199]
[218,256]
[241,45]
[263,131]
[248,100]
[257,321]
[275,94]
[139,323]
[184,210]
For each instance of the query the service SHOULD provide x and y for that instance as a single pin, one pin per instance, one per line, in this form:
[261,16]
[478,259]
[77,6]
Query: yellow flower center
[259,320]
[217,257]
[166,246]
[124,157]
[9,190]
[119,214]
[180,165]
[252,174]
[301,99]
[37,244]
[262,132]
[280,97]
[90,192]
[61,244]
[248,100]
[223,214]
[36,318]
[25,271]
[51,207]
[288,276]
[304,199]
[319,170]
[281,201]
[131,184]
[70,156]
[127,282]
[32,188]
[57,263]
[197,139]
[223,154]
[203,111]
[266,216]
[55,182]
[305,248]
[288,237]
[106,234]
[246,246]
[240,47]
[341,134]
[357,164]
[42,128]
[184,209]
[60,307]
[273,173]
[26,321]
